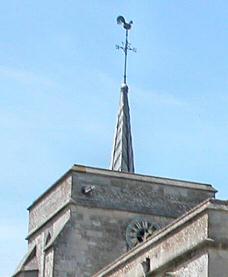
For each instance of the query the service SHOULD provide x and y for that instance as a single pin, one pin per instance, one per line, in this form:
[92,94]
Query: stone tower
[91,216]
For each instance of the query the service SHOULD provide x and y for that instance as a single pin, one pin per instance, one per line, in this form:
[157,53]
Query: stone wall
[94,238]
[99,219]
[49,204]
[218,231]
[160,253]
[40,239]
[49,263]
[196,267]
[218,265]
[194,245]
[135,195]
[90,229]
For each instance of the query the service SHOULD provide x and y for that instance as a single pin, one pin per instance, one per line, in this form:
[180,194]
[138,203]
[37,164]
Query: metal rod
[125,46]
[125,58]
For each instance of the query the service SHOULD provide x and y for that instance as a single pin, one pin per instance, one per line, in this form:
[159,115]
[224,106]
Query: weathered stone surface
[218,265]
[78,233]
[197,267]
[49,263]
[113,192]
[190,246]
[97,231]
[48,205]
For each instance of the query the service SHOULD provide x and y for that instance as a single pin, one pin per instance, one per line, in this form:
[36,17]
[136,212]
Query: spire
[122,155]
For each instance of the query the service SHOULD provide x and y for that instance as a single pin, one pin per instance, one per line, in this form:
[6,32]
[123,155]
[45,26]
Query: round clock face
[138,231]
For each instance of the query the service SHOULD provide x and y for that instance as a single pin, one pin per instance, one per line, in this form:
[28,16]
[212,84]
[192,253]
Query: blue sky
[59,90]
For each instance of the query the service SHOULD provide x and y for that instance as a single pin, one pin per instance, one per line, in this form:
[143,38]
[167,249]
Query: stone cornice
[129,176]
[143,178]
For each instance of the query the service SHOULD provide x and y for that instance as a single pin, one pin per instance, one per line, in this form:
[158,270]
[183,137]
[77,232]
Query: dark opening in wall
[48,238]
[146,265]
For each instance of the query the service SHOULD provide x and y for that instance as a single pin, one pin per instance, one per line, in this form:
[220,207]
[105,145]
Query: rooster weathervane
[125,46]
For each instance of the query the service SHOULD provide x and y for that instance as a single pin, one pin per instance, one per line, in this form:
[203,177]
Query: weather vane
[125,46]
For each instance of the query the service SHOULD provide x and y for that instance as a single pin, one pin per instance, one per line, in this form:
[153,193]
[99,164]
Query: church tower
[91,216]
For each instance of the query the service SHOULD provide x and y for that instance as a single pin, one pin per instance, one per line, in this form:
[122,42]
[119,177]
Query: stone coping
[129,176]
[143,178]
[27,256]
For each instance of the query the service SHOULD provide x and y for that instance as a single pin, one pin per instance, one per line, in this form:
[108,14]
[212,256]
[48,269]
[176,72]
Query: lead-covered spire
[122,156]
